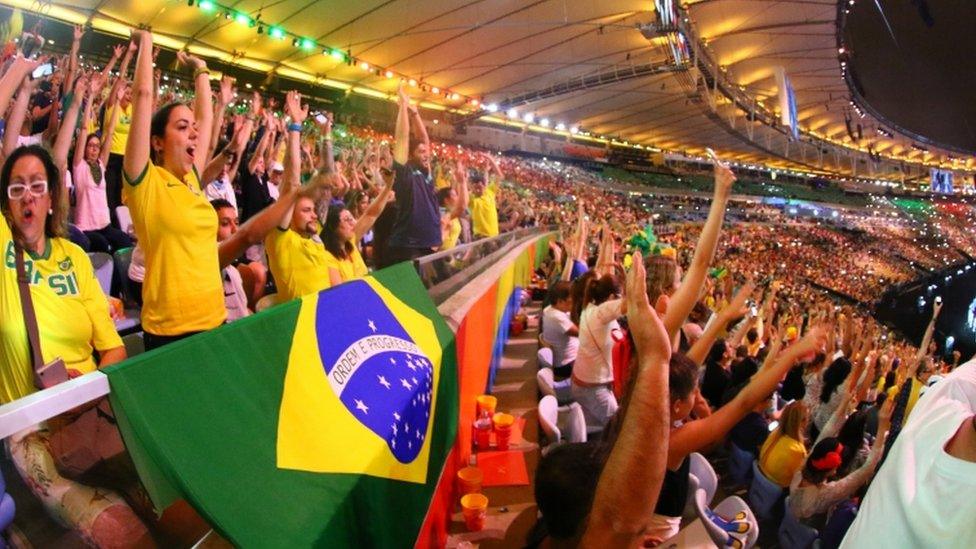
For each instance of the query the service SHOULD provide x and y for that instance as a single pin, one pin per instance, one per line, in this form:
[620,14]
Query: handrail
[40,406]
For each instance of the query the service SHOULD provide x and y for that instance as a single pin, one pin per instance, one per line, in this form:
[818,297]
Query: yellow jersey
[120,137]
[781,457]
[299,265]
[177,229]
[349,269]
[450,231]
[484,212]
[72,313]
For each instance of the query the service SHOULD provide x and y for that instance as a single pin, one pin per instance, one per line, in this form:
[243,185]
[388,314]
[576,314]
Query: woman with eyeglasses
[73,323]
[72,311]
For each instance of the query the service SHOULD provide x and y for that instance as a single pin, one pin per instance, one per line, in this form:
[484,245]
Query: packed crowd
[228,209]
[754,359]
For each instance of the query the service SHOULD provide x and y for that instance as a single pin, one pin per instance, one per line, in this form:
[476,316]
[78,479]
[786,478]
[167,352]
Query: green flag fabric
[321,422]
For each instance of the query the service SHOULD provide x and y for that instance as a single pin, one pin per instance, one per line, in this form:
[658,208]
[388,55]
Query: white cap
[277,167]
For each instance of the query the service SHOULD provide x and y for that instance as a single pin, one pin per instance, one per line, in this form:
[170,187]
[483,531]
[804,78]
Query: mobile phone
[321,118]
[753,311]
[712,155]
[47,69]
[773,425]
[938,300]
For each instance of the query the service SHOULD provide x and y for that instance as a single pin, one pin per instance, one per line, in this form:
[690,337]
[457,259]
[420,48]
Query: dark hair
[890,379]
[220,203]
[577,290]
[56,224]
[743,371]
[716,353]
[851,435]
[752,335]
[833,376]
[682,376]
[822,448]
[157,128]
[330,233]
[559,291]
[565,482]
[443,194]
[598,290]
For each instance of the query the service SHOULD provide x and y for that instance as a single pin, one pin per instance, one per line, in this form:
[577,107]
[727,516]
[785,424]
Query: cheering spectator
[417,228]
[484,210]
[559,331]
[784,452]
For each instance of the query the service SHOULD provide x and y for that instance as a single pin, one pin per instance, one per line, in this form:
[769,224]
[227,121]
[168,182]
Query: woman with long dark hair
[342,232]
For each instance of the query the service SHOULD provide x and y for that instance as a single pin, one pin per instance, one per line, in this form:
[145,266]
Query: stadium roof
[582,63]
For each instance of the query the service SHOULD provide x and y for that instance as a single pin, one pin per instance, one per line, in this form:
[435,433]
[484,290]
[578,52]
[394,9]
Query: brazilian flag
[321,422]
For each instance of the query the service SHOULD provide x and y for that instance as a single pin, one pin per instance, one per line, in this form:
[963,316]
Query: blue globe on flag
[375,368]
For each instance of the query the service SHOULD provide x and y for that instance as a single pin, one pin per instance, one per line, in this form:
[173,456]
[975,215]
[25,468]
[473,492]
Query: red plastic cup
[482,434]
[474,507]
[503,429]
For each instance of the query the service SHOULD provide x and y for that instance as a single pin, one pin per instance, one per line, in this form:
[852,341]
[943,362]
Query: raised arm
[18,114]
[224,98]
[695,435]
[202,105]
[683,300]
[67,131]
[69,76]
[137,146]
[11,81]
[401,136]
[109,130]
[375,208]
[730,312]
[463,194]
[635,468]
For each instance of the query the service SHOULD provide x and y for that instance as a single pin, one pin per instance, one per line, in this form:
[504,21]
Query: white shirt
[555,323]
[273,190]
[235,300]
[594,360]
[221,188]
[922,496]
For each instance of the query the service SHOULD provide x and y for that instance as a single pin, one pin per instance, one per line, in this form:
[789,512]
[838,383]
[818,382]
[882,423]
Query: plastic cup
[482,434]
[503,429]
[474,507]
[486,403]
[469,480]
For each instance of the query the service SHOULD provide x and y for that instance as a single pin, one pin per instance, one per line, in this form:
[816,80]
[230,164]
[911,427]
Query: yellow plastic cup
[488,403]
[503,429]
[474,507]
[469,480]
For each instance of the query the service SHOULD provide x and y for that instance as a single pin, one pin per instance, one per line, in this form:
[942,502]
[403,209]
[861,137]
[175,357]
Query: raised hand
[293,106]
[724,178]
[79,32]
[325,127]
[192,61]
[117,50]
[227,91]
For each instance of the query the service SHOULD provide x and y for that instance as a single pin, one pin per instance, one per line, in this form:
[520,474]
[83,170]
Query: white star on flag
[395,429]
[414,380]
[360,405]
[396,416]
[384,382]
[372,326]
[392,361]
[405,383]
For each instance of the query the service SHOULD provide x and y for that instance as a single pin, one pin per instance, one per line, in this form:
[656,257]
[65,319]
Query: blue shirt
[418,221]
